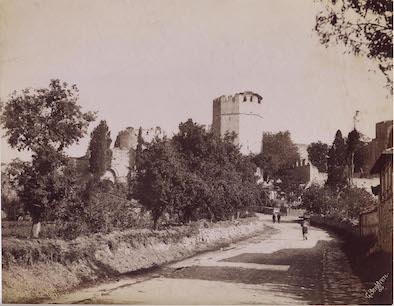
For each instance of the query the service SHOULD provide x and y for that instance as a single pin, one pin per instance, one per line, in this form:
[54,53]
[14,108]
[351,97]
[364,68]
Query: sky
[158,63]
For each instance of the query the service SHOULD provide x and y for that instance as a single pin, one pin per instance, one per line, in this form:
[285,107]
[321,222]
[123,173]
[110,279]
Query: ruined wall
[123,153]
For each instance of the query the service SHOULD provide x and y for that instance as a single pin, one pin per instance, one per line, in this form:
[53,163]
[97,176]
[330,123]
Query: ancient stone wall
[123,153]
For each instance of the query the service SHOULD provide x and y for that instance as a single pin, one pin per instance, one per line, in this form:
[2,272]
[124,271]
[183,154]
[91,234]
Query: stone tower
[241,114]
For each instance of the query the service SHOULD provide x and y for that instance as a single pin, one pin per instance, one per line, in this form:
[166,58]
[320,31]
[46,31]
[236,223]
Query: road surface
[280,269]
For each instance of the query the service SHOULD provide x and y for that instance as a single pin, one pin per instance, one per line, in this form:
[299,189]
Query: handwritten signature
[378,287]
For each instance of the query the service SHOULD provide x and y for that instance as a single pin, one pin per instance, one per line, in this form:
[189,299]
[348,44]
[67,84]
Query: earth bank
[41,269]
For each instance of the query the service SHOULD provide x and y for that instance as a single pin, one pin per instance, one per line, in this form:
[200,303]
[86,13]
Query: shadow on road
[305,277]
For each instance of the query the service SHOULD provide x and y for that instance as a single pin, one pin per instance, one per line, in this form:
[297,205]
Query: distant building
[384,167]
[240,114]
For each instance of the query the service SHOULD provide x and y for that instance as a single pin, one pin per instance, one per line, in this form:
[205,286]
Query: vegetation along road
[280,269]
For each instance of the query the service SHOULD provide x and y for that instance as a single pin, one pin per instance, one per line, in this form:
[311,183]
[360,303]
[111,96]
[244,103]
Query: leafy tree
[44,121]
[364,27]
[313,199]
[156,185]
[347,204]
[353,201]
[100,151]
[337,162]
[279,152]
[356,157]
[317,154]
[197,175]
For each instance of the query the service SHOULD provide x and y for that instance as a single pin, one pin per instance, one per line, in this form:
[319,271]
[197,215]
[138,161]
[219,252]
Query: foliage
[100,152]
[337,163]
[44,121]
[314,199]
[279,152]
[364,27]
[317,154]
[138,151]
[356,157]
[93,207]
[349,203]
[195,175]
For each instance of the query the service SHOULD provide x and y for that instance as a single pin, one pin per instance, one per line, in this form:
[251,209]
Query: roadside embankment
[42,268]
[337,224]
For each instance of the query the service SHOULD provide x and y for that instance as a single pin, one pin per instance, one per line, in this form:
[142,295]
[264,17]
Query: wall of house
[386,207]
[369,224]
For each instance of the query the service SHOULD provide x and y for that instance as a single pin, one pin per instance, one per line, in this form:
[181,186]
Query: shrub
[348,203]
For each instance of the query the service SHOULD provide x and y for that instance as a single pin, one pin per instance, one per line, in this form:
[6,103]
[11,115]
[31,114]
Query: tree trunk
[238,214]
[36,229]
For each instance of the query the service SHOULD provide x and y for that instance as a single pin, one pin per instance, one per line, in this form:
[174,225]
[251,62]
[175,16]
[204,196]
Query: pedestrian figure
[304,230]
[278,218]
[273,218]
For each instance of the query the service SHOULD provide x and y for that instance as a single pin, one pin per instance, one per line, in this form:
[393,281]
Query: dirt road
[280,269]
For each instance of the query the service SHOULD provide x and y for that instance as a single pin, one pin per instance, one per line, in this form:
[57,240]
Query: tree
[317,154]
[337,162]
[279,152]
[100,152]
[139,148]
[355,157]
[196,175]
[364,27]
[44,121]
[156,184]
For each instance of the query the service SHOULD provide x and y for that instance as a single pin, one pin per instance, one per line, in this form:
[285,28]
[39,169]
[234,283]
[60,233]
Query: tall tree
[317,154]
[100,151]
[365,27]
[139,148]
[44,121]
[337,162]
[279,152]
[355,156]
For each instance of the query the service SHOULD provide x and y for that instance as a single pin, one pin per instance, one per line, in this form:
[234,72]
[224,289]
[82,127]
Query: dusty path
[283,269]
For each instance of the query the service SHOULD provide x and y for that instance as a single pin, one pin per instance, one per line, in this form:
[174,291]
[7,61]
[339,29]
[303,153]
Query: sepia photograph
[196,152]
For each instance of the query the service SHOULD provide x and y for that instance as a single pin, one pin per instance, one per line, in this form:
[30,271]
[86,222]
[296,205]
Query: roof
[386,155]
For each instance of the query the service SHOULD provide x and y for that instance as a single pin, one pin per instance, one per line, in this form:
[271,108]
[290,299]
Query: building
[240,114]
[384,167]
[375,147]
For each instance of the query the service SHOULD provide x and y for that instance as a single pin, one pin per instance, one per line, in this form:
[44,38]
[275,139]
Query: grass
[22,229]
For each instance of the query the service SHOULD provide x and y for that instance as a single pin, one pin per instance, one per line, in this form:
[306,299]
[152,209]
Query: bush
[347,203]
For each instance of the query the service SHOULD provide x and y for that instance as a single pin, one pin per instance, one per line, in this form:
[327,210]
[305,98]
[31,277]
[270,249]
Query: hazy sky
[157,63]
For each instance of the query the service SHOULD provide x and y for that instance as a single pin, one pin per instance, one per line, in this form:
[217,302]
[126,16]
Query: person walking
[279,218]
[304,229]
[273,218]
